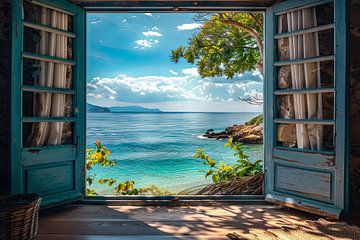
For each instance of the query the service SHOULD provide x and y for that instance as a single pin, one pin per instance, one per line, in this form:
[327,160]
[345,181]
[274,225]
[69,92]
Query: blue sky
[128,63]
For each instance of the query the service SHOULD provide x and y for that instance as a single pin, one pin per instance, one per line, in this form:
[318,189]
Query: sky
[128,63]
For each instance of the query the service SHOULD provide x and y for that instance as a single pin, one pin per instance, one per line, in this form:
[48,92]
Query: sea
[158,148]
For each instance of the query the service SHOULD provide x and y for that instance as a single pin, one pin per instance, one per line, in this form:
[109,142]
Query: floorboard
[88,222]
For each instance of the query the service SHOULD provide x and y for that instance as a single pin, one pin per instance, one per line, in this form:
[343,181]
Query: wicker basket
[19,216]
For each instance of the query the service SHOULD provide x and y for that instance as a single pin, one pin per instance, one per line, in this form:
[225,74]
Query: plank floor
[103,222]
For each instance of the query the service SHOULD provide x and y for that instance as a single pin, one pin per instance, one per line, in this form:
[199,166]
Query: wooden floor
[181,222]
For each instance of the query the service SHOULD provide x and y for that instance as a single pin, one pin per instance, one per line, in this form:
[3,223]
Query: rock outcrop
[240,133]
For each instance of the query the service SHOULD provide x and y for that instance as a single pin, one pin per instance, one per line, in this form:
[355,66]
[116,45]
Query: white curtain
[51,75]
[307,75]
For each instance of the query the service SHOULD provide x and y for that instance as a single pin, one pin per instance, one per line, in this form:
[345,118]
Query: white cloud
[144,43]
[231,90]
[110,90]
[173,72]
[95,21]
[257,73]
[155,28]
[190,71]
[188,26]
[148,14]
[95,95]
[124,20]
[152,89]
[152,34]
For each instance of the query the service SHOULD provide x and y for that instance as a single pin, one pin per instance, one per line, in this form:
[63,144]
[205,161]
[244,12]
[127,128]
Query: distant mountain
[95,109]
[127,109]
[133,109]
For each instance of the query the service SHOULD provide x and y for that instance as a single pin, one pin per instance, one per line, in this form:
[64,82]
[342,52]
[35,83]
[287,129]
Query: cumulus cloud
[111,91]
[148,14]
[155,28]
[95,21]
[124,88]
[144,43]
[152,34]
[173,72]
[188,26]
[257,73]
[190,71]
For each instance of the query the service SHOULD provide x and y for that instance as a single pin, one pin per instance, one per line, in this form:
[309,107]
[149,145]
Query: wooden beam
[164,5]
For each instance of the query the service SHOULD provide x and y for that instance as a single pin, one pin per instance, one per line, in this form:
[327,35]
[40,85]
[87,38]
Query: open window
[305,98]
[305,94]
[47,100]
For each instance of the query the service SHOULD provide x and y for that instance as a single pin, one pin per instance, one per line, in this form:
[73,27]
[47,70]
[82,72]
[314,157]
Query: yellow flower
[98,155]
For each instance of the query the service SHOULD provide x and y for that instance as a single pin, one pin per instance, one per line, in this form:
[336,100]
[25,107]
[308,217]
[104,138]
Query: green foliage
[99,156]
[222,47]
[256,120]
[224,172]
[126,188]
[109,181]
[90,192]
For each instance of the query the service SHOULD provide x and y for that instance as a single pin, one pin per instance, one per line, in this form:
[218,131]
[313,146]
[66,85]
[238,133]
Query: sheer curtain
[52,75]
[307,75]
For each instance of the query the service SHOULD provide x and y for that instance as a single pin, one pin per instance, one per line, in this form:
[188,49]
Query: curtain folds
[51,75]
[307,75]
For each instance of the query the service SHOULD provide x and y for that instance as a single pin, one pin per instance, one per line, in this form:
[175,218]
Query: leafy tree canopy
[227,44]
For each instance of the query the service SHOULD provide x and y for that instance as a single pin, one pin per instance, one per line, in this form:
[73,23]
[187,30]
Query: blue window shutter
[56,173]
[295,177]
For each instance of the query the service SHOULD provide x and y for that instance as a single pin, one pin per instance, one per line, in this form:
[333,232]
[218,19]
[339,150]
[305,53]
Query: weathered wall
[5,44]
[354,106]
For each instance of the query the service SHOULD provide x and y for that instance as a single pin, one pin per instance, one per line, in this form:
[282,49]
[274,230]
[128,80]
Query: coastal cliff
[250,132]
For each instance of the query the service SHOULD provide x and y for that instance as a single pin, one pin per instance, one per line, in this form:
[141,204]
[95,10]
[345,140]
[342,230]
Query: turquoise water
[158,148]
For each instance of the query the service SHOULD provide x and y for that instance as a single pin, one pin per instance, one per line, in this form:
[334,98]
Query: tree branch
[256,20]
[253,100]
[249,30]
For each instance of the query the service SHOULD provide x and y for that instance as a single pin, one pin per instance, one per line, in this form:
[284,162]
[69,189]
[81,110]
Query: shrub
[99,156]
[223,172]
[256,120]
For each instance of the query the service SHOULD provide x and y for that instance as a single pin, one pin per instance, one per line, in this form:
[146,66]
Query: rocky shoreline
[244,133]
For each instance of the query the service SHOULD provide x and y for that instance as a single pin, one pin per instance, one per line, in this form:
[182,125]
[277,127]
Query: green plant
[224,172]
[126,188]
[227,44]
[256,120]
[99,156]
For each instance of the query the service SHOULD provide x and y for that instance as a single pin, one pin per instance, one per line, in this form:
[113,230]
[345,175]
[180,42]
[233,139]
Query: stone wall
[354,106]
[5,67]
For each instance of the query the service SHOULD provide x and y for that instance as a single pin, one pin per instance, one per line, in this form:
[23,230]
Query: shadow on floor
[178,222]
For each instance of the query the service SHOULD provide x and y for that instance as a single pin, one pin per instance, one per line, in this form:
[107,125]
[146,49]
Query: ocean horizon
[158,148]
